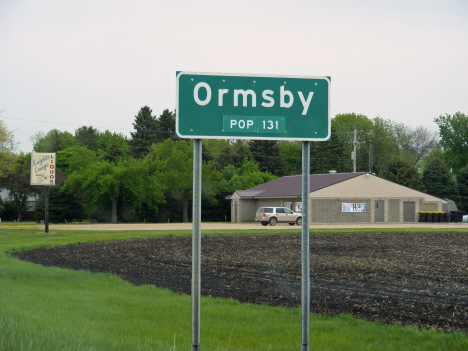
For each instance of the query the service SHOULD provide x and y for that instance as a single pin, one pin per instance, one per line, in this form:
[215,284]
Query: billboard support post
[46,209]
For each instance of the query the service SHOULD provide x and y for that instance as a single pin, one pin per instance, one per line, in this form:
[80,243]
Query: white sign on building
[353,207]
[42,168]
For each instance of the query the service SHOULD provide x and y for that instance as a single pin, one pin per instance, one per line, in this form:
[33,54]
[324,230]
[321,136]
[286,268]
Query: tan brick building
[337,198]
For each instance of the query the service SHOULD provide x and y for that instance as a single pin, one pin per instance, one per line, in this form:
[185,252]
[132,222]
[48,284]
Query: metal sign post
[196,243]
[305,248]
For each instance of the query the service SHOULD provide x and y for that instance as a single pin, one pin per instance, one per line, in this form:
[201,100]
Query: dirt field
[414,279]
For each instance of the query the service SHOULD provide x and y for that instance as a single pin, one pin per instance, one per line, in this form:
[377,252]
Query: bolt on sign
[42,168]
[259,107]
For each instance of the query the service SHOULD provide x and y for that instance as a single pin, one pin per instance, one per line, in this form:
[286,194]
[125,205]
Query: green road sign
[228,106]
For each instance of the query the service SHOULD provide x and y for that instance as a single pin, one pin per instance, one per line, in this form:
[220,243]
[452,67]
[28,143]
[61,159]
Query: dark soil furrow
[415,279]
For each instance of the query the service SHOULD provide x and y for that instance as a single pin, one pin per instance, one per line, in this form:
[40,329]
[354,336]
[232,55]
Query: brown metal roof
[292,185]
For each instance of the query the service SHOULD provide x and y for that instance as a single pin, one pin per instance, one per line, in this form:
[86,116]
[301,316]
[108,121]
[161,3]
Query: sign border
[180,73]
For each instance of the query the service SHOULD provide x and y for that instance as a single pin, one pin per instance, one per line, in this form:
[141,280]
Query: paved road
[227,226]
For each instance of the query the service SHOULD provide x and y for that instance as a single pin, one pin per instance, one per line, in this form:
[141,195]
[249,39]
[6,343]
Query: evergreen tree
[166,126]
[401,171]
[267,154]
[439,181]
[241,152]
[329,155]
[63,206]
[88,136]
[146,127]
[462,183]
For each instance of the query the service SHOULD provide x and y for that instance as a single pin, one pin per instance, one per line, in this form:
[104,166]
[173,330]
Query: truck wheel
[273,221]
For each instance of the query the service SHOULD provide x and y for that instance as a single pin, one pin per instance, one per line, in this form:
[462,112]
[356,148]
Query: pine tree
[87,136]
[403,172]
[267,154]
[439,181]
[329,155]
[146,127]
[166,126]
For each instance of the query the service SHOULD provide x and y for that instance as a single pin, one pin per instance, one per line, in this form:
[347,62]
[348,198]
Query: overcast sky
[69,63]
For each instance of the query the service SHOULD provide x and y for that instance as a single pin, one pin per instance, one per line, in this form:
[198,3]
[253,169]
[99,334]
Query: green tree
[17,182]
[88,136]
[267,154]
[439,181]
[401,171]
[385,142]
[53,141]
[75,158]
[63,206]
[462,184]
[7,149]
[107,138]
[146,128]
[178,173]
[166,126]
[453,131]
[135,181]
[246,176]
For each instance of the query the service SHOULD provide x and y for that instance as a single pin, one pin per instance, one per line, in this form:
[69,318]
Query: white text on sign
[286,97]
[254,125]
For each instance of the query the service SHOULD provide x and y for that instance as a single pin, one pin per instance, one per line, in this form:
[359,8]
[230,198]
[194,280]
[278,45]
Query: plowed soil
[414,279]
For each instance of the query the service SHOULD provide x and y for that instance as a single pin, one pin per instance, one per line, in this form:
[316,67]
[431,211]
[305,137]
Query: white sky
[72,63]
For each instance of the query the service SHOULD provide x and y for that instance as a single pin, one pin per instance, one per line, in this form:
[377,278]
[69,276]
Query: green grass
[57,309]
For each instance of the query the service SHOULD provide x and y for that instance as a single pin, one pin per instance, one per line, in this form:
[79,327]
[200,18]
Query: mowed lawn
[45,308]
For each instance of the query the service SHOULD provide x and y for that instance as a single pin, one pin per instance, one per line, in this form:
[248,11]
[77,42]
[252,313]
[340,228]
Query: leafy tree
[107,138]
[246,176]
[267,154]
[401,171]
[136,181]
[462,183]
[7,149]
[345,123]
[178,173]
[291,152]
[439,181]
[53,141]
[453,131]
[75,158]
[166,126]
[17,182]
[88,136]
[385,142]
[146,128]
